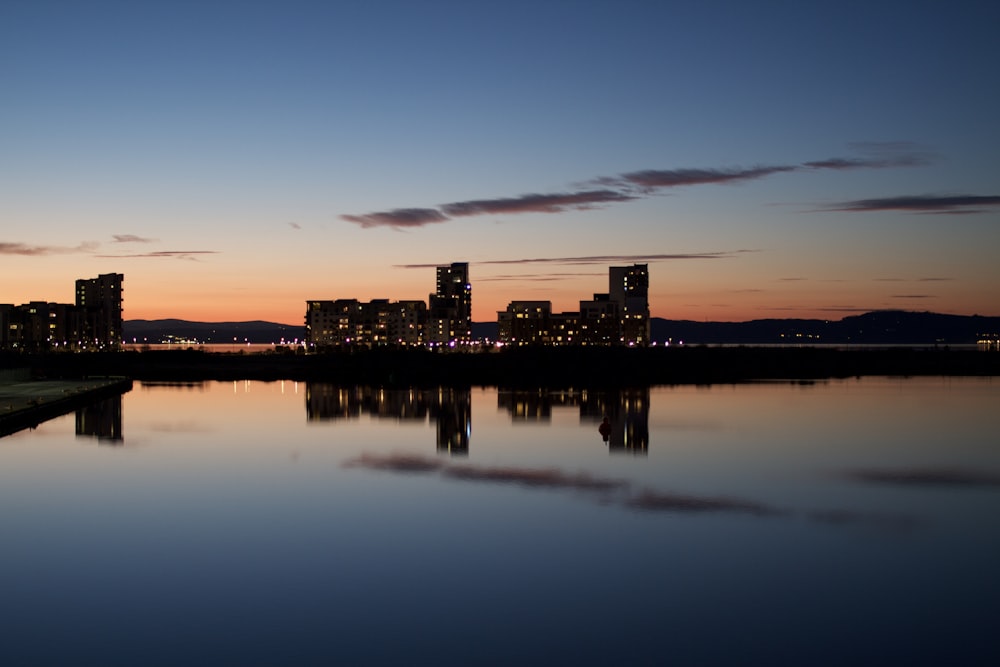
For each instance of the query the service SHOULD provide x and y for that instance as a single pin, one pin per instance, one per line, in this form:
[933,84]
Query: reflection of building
[534,404]
[449,408]
[620,317]
[628,413]
[94,322]
[102,420]
[381,322]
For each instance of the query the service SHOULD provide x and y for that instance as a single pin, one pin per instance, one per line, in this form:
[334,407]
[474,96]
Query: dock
[28,403]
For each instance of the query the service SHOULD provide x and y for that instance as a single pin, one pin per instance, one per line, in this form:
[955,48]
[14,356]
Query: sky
[766,160]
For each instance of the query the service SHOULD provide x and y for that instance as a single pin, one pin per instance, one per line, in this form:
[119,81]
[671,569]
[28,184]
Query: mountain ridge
[874,327]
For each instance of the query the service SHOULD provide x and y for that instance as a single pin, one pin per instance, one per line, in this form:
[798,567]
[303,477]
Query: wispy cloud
[131,238]
[294,225]
[600,259]
[911,296]
[920,204]
[190,255]
[536,203]
[649,180]
[27,250]
[631,185]
[401,218]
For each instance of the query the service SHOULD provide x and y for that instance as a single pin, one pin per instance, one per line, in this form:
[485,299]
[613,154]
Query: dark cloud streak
[920,204]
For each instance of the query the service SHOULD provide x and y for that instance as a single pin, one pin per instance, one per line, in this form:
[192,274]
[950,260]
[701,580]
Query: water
[845,522]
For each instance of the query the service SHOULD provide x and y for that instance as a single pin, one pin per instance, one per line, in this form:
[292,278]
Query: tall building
[629,288]
[94,322]
[378,323]
[451,305]
[100,302]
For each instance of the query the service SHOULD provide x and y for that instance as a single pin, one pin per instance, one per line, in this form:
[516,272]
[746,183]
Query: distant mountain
[257,331]
[883,327]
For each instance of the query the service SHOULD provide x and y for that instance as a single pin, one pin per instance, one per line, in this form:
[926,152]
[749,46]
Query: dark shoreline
[524,367]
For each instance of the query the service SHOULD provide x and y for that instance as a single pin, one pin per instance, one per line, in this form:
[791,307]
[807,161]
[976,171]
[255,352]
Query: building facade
[94,322]
[619,317]
[444,320]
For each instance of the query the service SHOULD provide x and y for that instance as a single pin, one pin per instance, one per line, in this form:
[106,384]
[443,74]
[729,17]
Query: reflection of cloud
[672,502]
[925,477]
[553,479]
[179,427]
[864,519]
[395,463]
[41,250]
[648,500]
[920,204]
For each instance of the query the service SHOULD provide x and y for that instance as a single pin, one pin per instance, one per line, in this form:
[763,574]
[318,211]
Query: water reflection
[450,408]
[626,412]
[102,420]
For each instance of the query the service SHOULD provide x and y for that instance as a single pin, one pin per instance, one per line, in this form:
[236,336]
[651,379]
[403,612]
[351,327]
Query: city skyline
[765,161]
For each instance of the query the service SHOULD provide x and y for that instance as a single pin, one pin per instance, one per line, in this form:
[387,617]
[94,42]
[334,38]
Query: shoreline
[26,404]
[535,367]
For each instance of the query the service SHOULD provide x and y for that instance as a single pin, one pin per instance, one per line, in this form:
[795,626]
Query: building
[94,322]
[620,317]
[629,288]
[99,301]
[445,320]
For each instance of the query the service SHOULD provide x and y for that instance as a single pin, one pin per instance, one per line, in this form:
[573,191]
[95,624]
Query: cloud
[191,255]
[537,203]
[399,218]
[599,259]
[633,185]
[951,477]
[26,250]
[652,179]
[294,225]
[911,296]
[131,238]
[920,204]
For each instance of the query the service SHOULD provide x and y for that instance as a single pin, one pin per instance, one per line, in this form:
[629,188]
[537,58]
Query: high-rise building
[629,288]
[100,302]
[451,305]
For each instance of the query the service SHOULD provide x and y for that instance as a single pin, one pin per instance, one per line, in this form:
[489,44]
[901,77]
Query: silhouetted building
[629,288]
[450,307]
[100,302]
[381,322]
[620,317]
[94,322]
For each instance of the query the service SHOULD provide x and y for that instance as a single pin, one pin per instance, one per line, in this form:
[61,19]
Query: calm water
[848,522]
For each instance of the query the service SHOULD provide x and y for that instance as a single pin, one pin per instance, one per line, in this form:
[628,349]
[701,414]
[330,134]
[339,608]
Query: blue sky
[234,159]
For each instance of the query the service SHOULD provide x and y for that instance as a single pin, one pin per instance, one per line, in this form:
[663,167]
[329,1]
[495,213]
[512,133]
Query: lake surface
[251,523]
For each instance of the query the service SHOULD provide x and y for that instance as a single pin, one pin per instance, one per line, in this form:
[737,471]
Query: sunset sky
[766,159]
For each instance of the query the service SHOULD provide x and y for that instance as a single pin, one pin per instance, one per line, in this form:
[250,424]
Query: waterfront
[833,522]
